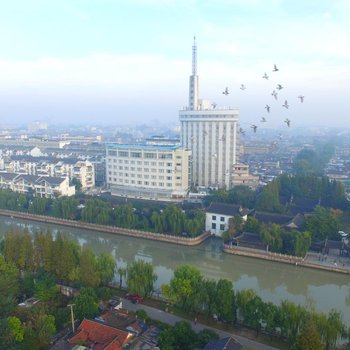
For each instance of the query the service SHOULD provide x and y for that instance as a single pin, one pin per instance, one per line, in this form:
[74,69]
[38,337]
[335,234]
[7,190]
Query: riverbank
[308,261]
[109,229]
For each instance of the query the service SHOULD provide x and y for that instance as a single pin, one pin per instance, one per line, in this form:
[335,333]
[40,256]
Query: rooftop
[144,147]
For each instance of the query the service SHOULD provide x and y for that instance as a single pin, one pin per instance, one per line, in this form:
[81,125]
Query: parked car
[134,298]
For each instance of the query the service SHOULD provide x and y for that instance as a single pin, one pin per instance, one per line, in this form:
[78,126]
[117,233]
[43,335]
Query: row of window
[139,162]
[222,218]
[145,170]
[145,176]
[136,154]
[144,183]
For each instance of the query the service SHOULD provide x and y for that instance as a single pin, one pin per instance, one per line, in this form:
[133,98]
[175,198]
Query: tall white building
[211,134]
[148,171]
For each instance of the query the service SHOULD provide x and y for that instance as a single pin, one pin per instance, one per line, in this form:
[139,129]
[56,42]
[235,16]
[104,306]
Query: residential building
[95,335]
[241,176]
[148,171]
[82,170]
[218,215]
[211,134]
[39,186]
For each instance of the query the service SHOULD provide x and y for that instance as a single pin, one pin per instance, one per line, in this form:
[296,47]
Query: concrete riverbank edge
[108,229]
[286,259]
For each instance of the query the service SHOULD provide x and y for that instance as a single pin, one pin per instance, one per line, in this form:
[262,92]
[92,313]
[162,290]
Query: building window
[222,227]
[213,226]
[222,218]
[123,154]
[136,154]
[213,217]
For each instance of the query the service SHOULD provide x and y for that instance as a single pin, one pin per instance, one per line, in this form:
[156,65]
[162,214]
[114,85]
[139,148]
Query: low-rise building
[38,186]
[217,217]
[241,176]
[148,171]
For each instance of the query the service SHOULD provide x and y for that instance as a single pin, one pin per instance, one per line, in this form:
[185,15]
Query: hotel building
[211,134]
[148,171]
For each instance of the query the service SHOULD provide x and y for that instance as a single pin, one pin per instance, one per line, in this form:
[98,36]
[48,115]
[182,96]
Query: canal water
[272,281]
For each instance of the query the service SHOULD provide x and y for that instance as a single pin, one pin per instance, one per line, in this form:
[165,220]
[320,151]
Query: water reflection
[273,282]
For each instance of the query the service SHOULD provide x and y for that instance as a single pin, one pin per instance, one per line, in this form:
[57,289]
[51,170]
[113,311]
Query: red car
[134,298]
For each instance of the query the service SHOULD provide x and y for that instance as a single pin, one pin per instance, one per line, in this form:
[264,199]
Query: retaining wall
[110,229]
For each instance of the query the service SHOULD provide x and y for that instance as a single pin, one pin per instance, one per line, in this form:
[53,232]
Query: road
[163,316]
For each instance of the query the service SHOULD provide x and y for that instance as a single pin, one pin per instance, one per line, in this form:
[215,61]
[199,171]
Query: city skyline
[109,61]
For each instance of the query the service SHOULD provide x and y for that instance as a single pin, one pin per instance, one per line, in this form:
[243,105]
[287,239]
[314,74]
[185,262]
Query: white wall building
[211,134]
[148,171]
[39,186]
[82,170]
[217,217]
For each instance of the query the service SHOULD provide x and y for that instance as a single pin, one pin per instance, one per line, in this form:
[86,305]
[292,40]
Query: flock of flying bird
[274,93]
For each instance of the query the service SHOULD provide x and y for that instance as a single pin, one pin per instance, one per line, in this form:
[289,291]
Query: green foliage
[309,338]
[272,236]
[45,287]
[142,315]
[105,266]
[9,287]
[85,304]
[65,207]
[88,274]
[97,211]
[39,205]
[322,224]
[16,328]
[140,278]
[241,195]
[252,225]
[185,287]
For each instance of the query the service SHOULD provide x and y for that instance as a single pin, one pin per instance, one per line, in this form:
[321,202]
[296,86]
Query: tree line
[171,220]
[284,192]
[293,323]
[31,267]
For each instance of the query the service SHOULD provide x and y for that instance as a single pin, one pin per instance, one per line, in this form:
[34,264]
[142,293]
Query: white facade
[211,134]
[148,171]
[39,186]
[82,170]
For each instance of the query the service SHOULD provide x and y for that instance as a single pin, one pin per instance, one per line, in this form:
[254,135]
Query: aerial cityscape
[142,209]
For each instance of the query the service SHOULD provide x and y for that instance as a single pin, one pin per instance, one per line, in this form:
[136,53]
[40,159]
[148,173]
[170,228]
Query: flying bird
[287,121]
[254,127]
[243,87]
[265,76]
[286,105]
[279,87]
[214,105]
[275,69]
[301,97]
[241,131]
[267,107]
[215,155]
[225,92]
[274,94]
[280,136]
[263,120]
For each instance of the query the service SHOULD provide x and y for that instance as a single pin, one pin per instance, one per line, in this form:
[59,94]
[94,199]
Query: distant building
[211,134]
[241,176]
[39,186]
[148,171]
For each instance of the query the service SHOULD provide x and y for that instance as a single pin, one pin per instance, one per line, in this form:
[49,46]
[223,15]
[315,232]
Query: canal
[272,281]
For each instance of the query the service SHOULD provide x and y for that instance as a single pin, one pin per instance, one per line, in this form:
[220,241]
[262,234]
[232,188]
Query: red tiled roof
[103,337]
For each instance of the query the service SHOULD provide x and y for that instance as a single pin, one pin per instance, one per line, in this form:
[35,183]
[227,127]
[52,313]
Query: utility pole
[72,315]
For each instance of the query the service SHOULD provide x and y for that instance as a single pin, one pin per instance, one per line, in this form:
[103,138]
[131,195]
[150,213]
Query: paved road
[163,316]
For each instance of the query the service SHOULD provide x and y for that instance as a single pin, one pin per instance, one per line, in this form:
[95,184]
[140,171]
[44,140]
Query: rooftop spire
[194,57]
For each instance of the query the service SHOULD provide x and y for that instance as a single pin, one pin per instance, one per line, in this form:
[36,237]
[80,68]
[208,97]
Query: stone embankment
[282,258]
[109,229]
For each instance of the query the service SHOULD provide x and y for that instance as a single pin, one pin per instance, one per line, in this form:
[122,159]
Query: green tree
[39,205]
[9,287]
[226,308]
[88,273]
[322,224]
[185,287]
[309,338]
[141,278]
[105,266]
[272,236]
[86,304]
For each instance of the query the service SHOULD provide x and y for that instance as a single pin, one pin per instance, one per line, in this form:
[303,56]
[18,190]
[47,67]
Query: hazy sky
[119,61]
